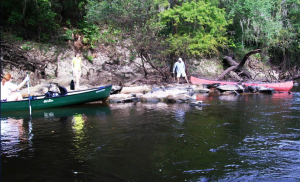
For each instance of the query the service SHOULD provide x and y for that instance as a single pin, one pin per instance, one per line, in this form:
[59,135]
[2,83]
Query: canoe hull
[72,98]
[283,87]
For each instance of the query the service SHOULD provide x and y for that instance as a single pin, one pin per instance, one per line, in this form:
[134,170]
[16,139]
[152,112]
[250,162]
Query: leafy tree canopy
[195,28]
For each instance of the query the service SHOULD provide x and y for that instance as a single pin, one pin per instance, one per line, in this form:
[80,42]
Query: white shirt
[179,66]
[7,89]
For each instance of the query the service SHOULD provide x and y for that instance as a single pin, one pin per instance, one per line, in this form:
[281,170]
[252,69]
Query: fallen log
[238,68]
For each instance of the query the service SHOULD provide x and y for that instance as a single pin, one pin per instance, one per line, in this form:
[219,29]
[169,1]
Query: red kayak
[283,86]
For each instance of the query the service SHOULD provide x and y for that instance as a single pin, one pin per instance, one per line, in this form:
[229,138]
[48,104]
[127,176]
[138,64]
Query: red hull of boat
[284,86]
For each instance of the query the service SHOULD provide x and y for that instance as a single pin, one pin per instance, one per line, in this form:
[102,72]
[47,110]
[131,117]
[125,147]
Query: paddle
[72,85]
[29,96]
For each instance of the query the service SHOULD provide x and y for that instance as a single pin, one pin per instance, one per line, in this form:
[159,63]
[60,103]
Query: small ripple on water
[236,150]
[199,171]
[292,117]
[281,151]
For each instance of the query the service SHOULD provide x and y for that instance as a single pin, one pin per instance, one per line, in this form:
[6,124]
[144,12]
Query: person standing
[9,91]
[179,66]
[76,68]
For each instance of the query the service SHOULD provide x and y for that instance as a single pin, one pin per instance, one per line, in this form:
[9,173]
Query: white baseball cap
[180,59]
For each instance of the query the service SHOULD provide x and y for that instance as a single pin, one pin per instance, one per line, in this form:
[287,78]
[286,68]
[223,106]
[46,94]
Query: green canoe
[71,98]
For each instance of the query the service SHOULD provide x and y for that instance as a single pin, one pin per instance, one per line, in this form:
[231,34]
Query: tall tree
[200,28]
[270,25]
[135,21]
[39,19]
[258,22]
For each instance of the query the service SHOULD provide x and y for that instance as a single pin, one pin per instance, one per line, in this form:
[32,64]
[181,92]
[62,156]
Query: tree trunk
[234,66]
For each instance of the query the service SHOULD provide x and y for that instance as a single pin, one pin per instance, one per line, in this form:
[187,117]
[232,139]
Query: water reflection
[180,115]
[17,133]
[15,136]
[54,113]
[283,95]
[78,122]
[78,126]
[229,97]
[246,137]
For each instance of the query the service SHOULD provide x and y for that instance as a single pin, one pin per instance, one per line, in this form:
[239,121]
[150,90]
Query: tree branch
[237,67]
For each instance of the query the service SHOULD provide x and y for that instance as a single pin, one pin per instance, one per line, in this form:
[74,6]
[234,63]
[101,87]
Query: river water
[254,137]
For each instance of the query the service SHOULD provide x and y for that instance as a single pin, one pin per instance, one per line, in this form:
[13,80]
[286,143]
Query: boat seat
[63,90]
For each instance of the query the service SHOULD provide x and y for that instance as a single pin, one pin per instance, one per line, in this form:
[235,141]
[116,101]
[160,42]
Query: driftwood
[238,68]
[285,74]
[17,57]
[294,73]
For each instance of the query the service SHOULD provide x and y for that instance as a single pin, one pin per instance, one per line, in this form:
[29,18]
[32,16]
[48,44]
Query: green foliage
[27,46]
[231,43]
[90,58]
[121,14]
[10,37]
[162,27]
[39,19]
[91,33]
[51,76]
[270,25]
[15,18]
[68,22]
[44,37]
[265,22]
[257,20]
[110,35]
[68,34]
[132,58]
[256,56]
[198,28]
[162,3]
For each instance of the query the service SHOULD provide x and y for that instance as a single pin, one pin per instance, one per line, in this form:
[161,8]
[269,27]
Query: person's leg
[187,80]
[178,77]
[15,96]
[20,97]
[77,79]
[174,77]
[184,75]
